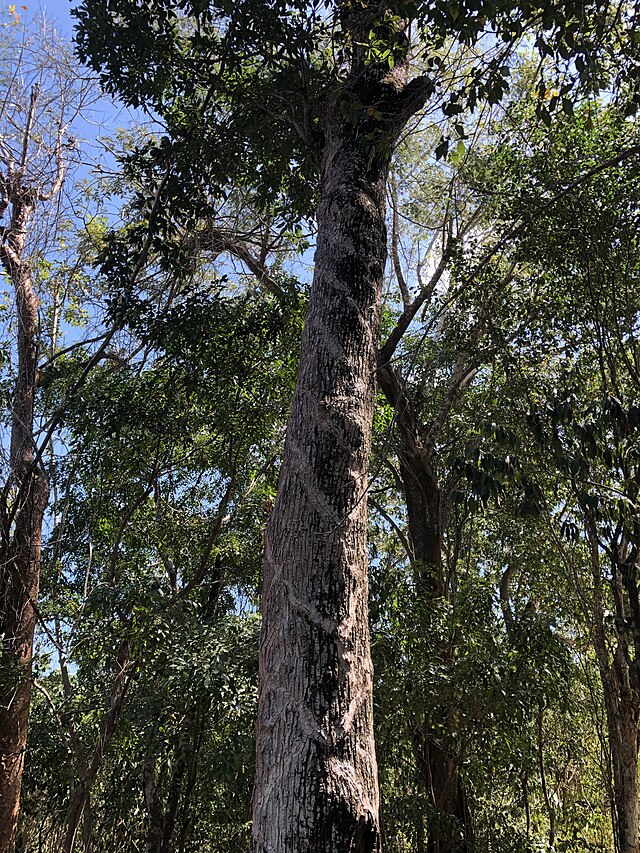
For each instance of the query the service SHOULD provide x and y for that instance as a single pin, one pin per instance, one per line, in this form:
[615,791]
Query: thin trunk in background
[621,691]
[449,829]
[34,157]
[24,500]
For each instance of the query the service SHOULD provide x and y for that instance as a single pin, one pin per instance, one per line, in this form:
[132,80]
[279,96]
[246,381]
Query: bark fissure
[316,785]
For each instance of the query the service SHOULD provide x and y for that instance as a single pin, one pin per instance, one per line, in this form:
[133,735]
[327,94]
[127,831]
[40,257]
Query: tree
[581,410]
[44,97]
[332,83]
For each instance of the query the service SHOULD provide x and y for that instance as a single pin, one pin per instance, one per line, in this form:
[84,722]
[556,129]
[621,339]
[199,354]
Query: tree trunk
[23,505]
[153,841]
[622,708]
[625,773]
[316,785]
[115,703]
[21,582]
[448,828]
[162,821]
[447,824]
[621,691]
[200,724]
[316,777]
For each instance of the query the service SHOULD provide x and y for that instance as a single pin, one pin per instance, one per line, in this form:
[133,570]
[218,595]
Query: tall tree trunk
[316,785]
[153,840]
[622,710]
[447,824]
[316,776]
[23,505]
[623,738]
[448,828]
[201,715]
[162,821]
[621,691]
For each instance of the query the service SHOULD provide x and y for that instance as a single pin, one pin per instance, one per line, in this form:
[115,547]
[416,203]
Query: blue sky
[57,11]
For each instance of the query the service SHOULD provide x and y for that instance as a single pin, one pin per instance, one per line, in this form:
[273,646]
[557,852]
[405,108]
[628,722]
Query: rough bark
[623,739]
[316,777]
[316,785]
[24,501]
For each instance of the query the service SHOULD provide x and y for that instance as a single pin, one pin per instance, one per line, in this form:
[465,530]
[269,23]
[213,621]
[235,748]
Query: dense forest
[320,455]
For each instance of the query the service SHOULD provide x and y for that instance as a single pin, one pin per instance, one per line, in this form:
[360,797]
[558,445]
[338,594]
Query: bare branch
[395,241]
[403,539]
[35,93]
[389,347]
[60,171]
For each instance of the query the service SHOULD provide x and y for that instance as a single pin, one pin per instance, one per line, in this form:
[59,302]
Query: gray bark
[316,785]
[316,776]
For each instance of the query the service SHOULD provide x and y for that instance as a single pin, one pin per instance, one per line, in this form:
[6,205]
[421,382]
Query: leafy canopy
[245,88]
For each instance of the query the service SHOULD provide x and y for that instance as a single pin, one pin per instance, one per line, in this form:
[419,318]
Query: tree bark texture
[316,788]
[316,777]
[24,501]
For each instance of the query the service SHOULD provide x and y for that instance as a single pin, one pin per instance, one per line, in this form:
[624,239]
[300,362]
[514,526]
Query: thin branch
[387,350]
[60,171]
[395,240]
[197,579]
[35,92]
[403,539]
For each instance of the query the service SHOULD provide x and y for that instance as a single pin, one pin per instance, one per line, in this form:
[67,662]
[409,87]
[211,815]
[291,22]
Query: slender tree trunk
[447,824]
[622,709]
[621,690]
[173,797]
[162,821]
[449,830]
[115,703]
[448,827]
[153,841]
[24,502]
[543,779]
[87,827]
[201,713]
